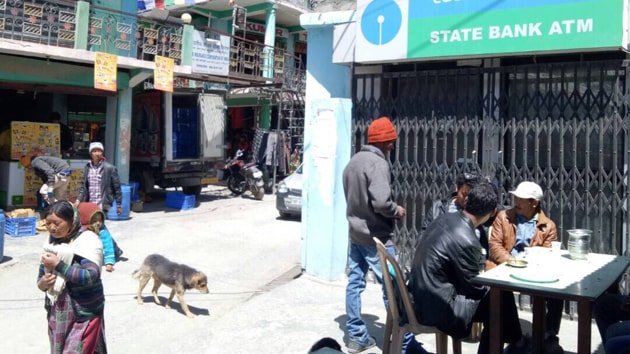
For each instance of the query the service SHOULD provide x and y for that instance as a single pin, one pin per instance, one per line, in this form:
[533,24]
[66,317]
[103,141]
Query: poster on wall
[163,73]
[105,71]
[33,139]
[406,29]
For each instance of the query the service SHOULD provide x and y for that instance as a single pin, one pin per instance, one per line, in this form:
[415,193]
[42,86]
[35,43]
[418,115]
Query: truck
[177,139]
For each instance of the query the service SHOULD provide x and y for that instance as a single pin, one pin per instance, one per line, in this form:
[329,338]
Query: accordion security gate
[564,126]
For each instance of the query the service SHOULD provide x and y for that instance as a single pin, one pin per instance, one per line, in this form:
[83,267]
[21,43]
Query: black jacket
[446,259]
[110,186]
[440,207]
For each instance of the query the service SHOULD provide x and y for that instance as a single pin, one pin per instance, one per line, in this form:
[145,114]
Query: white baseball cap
[95,145]
[528,190]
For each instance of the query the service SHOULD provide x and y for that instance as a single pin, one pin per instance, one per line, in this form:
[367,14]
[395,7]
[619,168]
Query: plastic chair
[395,329]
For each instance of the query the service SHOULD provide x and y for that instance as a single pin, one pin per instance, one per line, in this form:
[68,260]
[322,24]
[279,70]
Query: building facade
[516,91]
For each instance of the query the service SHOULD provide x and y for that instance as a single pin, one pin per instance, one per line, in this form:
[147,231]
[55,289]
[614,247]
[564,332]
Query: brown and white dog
[178,277]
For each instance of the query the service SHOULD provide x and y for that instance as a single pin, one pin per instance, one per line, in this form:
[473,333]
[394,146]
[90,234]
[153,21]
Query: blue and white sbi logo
[381,21]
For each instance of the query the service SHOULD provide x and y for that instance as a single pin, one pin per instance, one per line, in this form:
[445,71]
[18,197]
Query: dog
[178,277]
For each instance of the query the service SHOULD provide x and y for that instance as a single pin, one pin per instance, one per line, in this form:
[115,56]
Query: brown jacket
[503,237]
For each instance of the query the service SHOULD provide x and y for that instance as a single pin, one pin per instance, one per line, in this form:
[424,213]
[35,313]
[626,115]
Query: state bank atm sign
[416,29]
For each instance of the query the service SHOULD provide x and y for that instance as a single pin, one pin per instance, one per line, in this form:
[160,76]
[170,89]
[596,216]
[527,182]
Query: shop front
[516,91]
[42,98]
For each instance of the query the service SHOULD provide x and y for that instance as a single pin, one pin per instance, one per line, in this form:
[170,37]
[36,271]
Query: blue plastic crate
[179,200]
[19,227]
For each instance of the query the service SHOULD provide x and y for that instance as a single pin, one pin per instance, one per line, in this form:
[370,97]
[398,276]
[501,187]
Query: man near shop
[101,183]
[54,173]
[526,225]
[371,212]
[444,264]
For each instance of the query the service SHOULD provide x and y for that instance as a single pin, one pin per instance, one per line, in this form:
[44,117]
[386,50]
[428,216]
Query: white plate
[534,275]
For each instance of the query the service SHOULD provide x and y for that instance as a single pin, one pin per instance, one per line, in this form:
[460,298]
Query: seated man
[526,225]
[618,338]
[456,202]
[609,310]
[445,262]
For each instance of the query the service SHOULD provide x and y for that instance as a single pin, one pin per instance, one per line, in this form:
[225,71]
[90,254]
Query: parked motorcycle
[244,176]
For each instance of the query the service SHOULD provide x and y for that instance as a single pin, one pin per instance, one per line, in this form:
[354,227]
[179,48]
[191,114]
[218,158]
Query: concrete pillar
[328,109]
[187,44]
[327,136]
[81,32]
[118,133]
[270,40]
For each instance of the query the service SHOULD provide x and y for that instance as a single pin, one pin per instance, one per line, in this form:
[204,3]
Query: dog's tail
[136,274]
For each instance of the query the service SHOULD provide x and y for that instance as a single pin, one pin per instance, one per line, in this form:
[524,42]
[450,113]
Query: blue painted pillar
[327,137]
[187,44]
[270,42]
[327,145]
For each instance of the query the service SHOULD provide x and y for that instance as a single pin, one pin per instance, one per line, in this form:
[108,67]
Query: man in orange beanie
[371,212]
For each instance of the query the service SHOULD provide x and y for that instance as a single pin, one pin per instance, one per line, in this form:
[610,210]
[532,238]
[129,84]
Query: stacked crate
[179,200]
[21,226]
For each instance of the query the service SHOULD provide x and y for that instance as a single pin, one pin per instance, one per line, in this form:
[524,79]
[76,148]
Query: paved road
[257,304]
[239,242]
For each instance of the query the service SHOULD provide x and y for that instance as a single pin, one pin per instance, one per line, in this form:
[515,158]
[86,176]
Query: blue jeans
[607,310]
[360,259]
[618,338]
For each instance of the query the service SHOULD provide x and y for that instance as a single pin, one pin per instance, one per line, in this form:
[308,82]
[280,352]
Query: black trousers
[511,325]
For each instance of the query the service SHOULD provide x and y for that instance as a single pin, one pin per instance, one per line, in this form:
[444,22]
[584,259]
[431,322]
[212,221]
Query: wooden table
[582,281]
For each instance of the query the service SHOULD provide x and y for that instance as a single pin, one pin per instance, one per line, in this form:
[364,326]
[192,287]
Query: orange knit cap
[381,130]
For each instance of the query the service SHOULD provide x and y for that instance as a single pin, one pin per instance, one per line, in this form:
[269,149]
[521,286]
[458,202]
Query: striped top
[83,283]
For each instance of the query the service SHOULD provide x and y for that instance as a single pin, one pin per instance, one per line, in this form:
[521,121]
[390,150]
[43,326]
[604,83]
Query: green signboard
[414,29]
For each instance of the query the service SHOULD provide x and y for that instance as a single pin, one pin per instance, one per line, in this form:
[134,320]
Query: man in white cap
[526,225]
[101,183]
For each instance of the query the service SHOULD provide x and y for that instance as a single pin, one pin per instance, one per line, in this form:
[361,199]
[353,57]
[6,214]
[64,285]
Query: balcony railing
[54,23]
[122,34]
[162,40]
[254,61]
[44,22]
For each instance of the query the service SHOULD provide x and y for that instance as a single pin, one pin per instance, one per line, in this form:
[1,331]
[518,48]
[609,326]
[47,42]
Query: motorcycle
[244,176]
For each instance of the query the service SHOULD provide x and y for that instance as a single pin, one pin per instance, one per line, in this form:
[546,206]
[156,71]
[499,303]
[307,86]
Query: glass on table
[556,246]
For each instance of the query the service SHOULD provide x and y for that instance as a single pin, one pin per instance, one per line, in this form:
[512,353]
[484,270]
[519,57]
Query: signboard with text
[105,71]
[163,73]
[406,29]
[210,57]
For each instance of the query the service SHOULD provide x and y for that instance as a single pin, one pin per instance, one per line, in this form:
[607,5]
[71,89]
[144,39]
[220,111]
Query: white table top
[576,279]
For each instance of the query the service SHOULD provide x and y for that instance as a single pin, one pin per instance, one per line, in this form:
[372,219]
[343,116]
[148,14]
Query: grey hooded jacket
[370,208]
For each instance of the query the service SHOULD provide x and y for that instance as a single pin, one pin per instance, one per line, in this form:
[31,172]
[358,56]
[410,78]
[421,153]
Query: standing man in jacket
[445,262]
[371,213]
[101,183]
[526,225]
[54,173]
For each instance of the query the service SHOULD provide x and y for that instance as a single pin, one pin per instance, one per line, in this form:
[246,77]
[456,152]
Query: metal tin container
[579,243]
